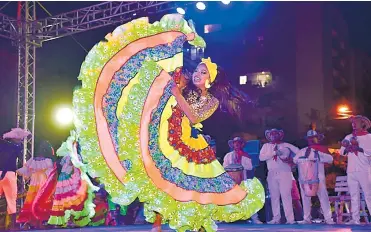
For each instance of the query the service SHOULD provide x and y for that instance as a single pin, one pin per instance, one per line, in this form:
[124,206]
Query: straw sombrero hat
[364,120]
[236,139]
[209,140]
[16,133]
[269,134]
[313,134]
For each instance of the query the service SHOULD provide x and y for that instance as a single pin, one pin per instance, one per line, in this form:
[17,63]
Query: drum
[236,172]
[308,176]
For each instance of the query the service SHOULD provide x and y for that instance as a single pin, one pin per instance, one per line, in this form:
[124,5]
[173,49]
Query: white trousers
[280,185]
[8,187]
[323,199]
[355,180]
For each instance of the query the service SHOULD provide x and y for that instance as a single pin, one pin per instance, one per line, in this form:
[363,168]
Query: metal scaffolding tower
[28,33]
[26,73]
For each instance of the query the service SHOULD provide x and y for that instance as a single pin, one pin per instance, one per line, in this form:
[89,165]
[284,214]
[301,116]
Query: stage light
[180,10]
[225,2]
[201,6]
[64,116]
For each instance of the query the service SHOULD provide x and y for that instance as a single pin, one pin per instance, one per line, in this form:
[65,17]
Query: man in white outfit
[319,154]
[279,174]
[238,156]
[357,146]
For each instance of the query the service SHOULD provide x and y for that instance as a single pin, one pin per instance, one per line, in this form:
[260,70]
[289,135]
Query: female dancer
[139,135]
[37,170]
[67,196]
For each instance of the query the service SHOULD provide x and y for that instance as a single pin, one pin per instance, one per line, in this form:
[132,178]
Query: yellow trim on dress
[171,64]
[124,95]
[210,170]
[168,65]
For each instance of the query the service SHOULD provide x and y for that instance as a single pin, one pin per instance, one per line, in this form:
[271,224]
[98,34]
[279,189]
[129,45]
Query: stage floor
[233,228]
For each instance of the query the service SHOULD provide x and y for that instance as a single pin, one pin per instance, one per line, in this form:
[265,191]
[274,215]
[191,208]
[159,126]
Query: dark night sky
[58,62]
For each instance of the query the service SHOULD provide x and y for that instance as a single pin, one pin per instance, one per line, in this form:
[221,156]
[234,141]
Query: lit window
[243,80]
[212,28]
[261,79]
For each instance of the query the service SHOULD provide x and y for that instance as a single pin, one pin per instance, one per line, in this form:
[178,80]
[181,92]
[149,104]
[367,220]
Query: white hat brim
[16,133]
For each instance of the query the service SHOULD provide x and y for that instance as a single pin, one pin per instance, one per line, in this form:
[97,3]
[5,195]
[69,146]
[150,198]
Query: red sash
[275,148]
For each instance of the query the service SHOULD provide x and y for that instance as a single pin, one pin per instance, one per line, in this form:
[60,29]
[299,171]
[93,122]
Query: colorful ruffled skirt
[37,169]
[72,198]
[26,211]
[69,196]
[139,143]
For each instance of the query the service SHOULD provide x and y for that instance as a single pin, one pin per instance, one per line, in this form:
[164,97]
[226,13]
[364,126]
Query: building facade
[305,47]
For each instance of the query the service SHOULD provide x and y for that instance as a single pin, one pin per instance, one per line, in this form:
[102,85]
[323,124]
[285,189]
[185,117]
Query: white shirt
[267,153]
[362,161]
[323,158]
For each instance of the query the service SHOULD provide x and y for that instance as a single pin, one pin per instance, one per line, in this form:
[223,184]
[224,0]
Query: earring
[207,84]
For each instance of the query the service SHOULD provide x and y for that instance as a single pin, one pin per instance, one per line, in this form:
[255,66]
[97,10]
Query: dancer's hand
[183,82]
[175,89]
[190,36]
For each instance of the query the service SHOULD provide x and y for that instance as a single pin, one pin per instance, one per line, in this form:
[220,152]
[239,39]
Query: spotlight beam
[64,116]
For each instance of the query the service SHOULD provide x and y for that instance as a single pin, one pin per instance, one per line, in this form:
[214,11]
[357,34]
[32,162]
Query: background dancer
[36,169]
[70,189]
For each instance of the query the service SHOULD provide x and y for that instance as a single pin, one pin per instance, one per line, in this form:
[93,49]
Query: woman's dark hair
[45,150]
[230,98]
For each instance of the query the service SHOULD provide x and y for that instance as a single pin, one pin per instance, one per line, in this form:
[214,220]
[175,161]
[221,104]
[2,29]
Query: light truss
[95,16]
[8,26]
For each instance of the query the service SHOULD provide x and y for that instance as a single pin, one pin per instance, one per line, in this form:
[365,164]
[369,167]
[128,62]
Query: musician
[357,146]
[314,151]
[10,150]
[238,156]
[279,174]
